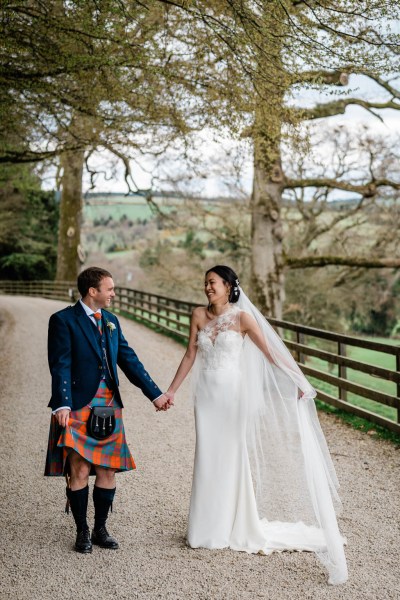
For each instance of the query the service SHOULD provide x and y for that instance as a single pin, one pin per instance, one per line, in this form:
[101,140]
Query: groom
[85,345]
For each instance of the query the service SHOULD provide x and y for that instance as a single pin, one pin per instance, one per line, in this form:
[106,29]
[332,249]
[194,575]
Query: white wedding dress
[224,511]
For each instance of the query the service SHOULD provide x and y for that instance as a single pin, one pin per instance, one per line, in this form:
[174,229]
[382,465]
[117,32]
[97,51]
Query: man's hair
[91,277]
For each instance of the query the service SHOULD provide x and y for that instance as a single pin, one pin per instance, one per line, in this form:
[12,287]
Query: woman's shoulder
[246,319]
[199,314]
[199,311]
[199,317]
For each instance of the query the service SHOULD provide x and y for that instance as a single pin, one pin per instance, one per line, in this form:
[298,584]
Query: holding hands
[164,402]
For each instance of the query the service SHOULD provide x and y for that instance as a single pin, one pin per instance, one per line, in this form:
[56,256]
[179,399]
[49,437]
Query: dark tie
[97,316]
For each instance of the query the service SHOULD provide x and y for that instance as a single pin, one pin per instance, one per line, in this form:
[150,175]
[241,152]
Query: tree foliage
[136,77]
[251,62]
[28,226]
[85,76]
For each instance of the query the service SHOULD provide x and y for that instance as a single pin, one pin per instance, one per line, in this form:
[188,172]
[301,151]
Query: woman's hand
[171,396]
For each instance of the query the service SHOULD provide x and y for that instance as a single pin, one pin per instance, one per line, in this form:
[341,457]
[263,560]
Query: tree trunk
[69,231]
[267,279]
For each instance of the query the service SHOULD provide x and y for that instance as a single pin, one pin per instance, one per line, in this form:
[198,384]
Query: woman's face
[215,288]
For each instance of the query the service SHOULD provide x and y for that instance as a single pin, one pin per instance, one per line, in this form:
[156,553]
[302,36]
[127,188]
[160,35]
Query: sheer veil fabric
[293,475]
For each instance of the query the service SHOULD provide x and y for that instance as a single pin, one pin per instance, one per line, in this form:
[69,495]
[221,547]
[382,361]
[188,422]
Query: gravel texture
[150,514]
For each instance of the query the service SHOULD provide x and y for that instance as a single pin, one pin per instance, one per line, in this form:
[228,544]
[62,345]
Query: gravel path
[37,559]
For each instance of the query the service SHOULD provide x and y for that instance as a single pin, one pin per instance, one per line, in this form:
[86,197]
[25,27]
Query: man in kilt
[85,345]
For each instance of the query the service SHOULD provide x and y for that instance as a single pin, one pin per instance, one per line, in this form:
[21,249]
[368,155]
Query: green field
[133,212]
[370,357]
[116,208]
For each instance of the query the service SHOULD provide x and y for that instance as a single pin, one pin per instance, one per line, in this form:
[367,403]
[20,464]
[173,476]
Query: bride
[263,479]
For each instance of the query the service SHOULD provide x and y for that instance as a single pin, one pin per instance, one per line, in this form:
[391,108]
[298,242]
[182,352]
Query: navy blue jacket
[75,359]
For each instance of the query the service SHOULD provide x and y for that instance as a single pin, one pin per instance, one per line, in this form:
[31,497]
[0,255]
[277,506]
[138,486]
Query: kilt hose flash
[112,452]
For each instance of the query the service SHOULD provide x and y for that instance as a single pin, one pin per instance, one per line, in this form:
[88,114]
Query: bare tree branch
[321,77]
[338,107]
[307,262]
[367,190]
[384,84]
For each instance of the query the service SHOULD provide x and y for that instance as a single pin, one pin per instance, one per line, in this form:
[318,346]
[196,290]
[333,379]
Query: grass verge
[360,424]
[152,326]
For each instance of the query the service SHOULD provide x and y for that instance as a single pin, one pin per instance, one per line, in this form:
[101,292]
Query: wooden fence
[56,290]
[358,376]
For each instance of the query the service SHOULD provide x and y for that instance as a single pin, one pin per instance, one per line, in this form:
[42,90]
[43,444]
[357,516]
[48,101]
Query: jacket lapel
[109,342]
[87,328]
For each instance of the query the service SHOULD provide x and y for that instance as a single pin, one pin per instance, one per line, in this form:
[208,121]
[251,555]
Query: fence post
[342,371]
[300,340]
[177,317]
[158,303]
[398,383]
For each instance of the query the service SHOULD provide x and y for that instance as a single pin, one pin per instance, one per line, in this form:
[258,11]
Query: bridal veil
[293,474]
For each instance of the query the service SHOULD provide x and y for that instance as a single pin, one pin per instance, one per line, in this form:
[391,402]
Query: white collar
[87,308]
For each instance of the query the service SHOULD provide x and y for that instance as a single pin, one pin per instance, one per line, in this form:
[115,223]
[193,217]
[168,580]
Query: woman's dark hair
[230,277]
[91,277]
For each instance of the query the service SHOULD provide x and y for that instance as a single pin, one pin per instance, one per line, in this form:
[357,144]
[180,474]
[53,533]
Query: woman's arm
[189,356]
[249,326]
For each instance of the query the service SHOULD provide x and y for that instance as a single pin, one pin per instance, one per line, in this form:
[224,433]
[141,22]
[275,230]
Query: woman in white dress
[263,479]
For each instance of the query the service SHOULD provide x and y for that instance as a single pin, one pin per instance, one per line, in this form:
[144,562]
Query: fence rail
[358,376]
[56,290]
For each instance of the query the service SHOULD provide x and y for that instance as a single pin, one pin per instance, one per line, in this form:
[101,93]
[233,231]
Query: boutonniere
[111,327]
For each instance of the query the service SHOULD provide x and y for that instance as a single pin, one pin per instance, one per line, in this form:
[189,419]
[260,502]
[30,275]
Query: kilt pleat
[112,452]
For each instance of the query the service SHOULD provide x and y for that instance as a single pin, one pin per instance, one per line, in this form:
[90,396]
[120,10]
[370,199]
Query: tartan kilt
[112,452]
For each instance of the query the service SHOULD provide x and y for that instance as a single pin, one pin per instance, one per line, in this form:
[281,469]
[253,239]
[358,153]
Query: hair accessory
[236,288]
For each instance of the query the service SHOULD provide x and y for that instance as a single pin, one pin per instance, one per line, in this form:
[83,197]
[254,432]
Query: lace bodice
[220,341]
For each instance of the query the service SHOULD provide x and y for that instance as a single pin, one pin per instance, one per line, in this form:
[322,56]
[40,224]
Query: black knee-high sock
[103,499]
[78,502]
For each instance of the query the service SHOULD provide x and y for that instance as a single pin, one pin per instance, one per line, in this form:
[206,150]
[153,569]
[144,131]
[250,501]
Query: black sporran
[101,422]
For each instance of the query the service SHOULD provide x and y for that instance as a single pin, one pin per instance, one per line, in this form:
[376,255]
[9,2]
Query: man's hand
[164,402]
[62,417]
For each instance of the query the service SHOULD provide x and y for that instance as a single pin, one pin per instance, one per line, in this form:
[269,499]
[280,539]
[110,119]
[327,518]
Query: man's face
[103,296]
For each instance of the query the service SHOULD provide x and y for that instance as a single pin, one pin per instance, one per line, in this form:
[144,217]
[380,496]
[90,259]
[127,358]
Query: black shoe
[102,538]
[83,543]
